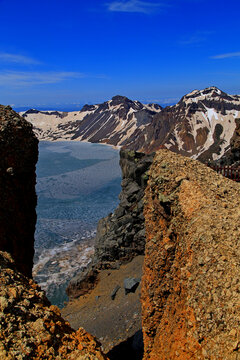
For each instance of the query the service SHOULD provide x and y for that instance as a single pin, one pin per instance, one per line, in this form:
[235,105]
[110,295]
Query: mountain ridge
[201,125]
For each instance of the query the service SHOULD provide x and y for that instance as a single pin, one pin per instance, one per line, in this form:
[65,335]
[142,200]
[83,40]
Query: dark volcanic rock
[19,154]
[114,292]
[121,235]
[130,285]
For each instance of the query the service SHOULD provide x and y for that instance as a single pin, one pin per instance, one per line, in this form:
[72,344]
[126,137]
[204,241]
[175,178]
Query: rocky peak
[122,102]
[87,107]
[211,91]
[154,107]
[31,111]
[211,96]
[119,99]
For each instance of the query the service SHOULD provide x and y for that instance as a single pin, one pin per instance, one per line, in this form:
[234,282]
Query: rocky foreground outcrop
[32,328]
[191,282]
[19,154]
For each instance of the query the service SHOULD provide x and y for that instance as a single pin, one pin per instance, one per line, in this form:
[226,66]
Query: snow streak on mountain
[201,125]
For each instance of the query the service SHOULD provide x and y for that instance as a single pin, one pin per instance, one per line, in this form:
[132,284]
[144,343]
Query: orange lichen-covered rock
[32,328]
[191,283]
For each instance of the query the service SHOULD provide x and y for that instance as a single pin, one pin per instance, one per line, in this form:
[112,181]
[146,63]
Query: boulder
[130,285]
[114,292]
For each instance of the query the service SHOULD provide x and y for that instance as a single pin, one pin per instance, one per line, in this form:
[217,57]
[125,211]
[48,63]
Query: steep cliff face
[191,288]
[19,153]
[31,328]
[121,235]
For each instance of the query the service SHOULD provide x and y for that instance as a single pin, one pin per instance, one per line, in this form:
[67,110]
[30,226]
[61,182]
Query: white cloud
[24,78]
[132,6]
[227,55]
[197,38]
[17,59]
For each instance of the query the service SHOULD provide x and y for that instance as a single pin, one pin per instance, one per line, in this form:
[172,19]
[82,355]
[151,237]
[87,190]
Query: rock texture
[121,235]
[191,286]
[19,153]
[32,328]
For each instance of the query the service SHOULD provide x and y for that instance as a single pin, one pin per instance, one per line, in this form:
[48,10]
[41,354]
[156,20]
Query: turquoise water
[77,184]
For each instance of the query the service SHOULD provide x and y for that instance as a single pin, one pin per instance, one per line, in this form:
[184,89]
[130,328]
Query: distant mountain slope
[201,125]
[112,122]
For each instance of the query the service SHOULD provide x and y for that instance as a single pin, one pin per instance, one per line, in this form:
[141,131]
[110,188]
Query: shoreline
[70,204]
[115,147]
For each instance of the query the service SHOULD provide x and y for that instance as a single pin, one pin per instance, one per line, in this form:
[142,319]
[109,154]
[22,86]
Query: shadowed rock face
[190,290]
[121,235]
[19,154]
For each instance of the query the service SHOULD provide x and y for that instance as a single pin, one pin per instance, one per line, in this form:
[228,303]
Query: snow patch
[211,113]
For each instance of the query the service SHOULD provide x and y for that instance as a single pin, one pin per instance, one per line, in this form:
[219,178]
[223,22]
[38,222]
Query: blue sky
[67,52]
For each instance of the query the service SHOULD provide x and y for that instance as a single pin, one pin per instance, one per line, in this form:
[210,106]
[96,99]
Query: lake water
[77,184]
